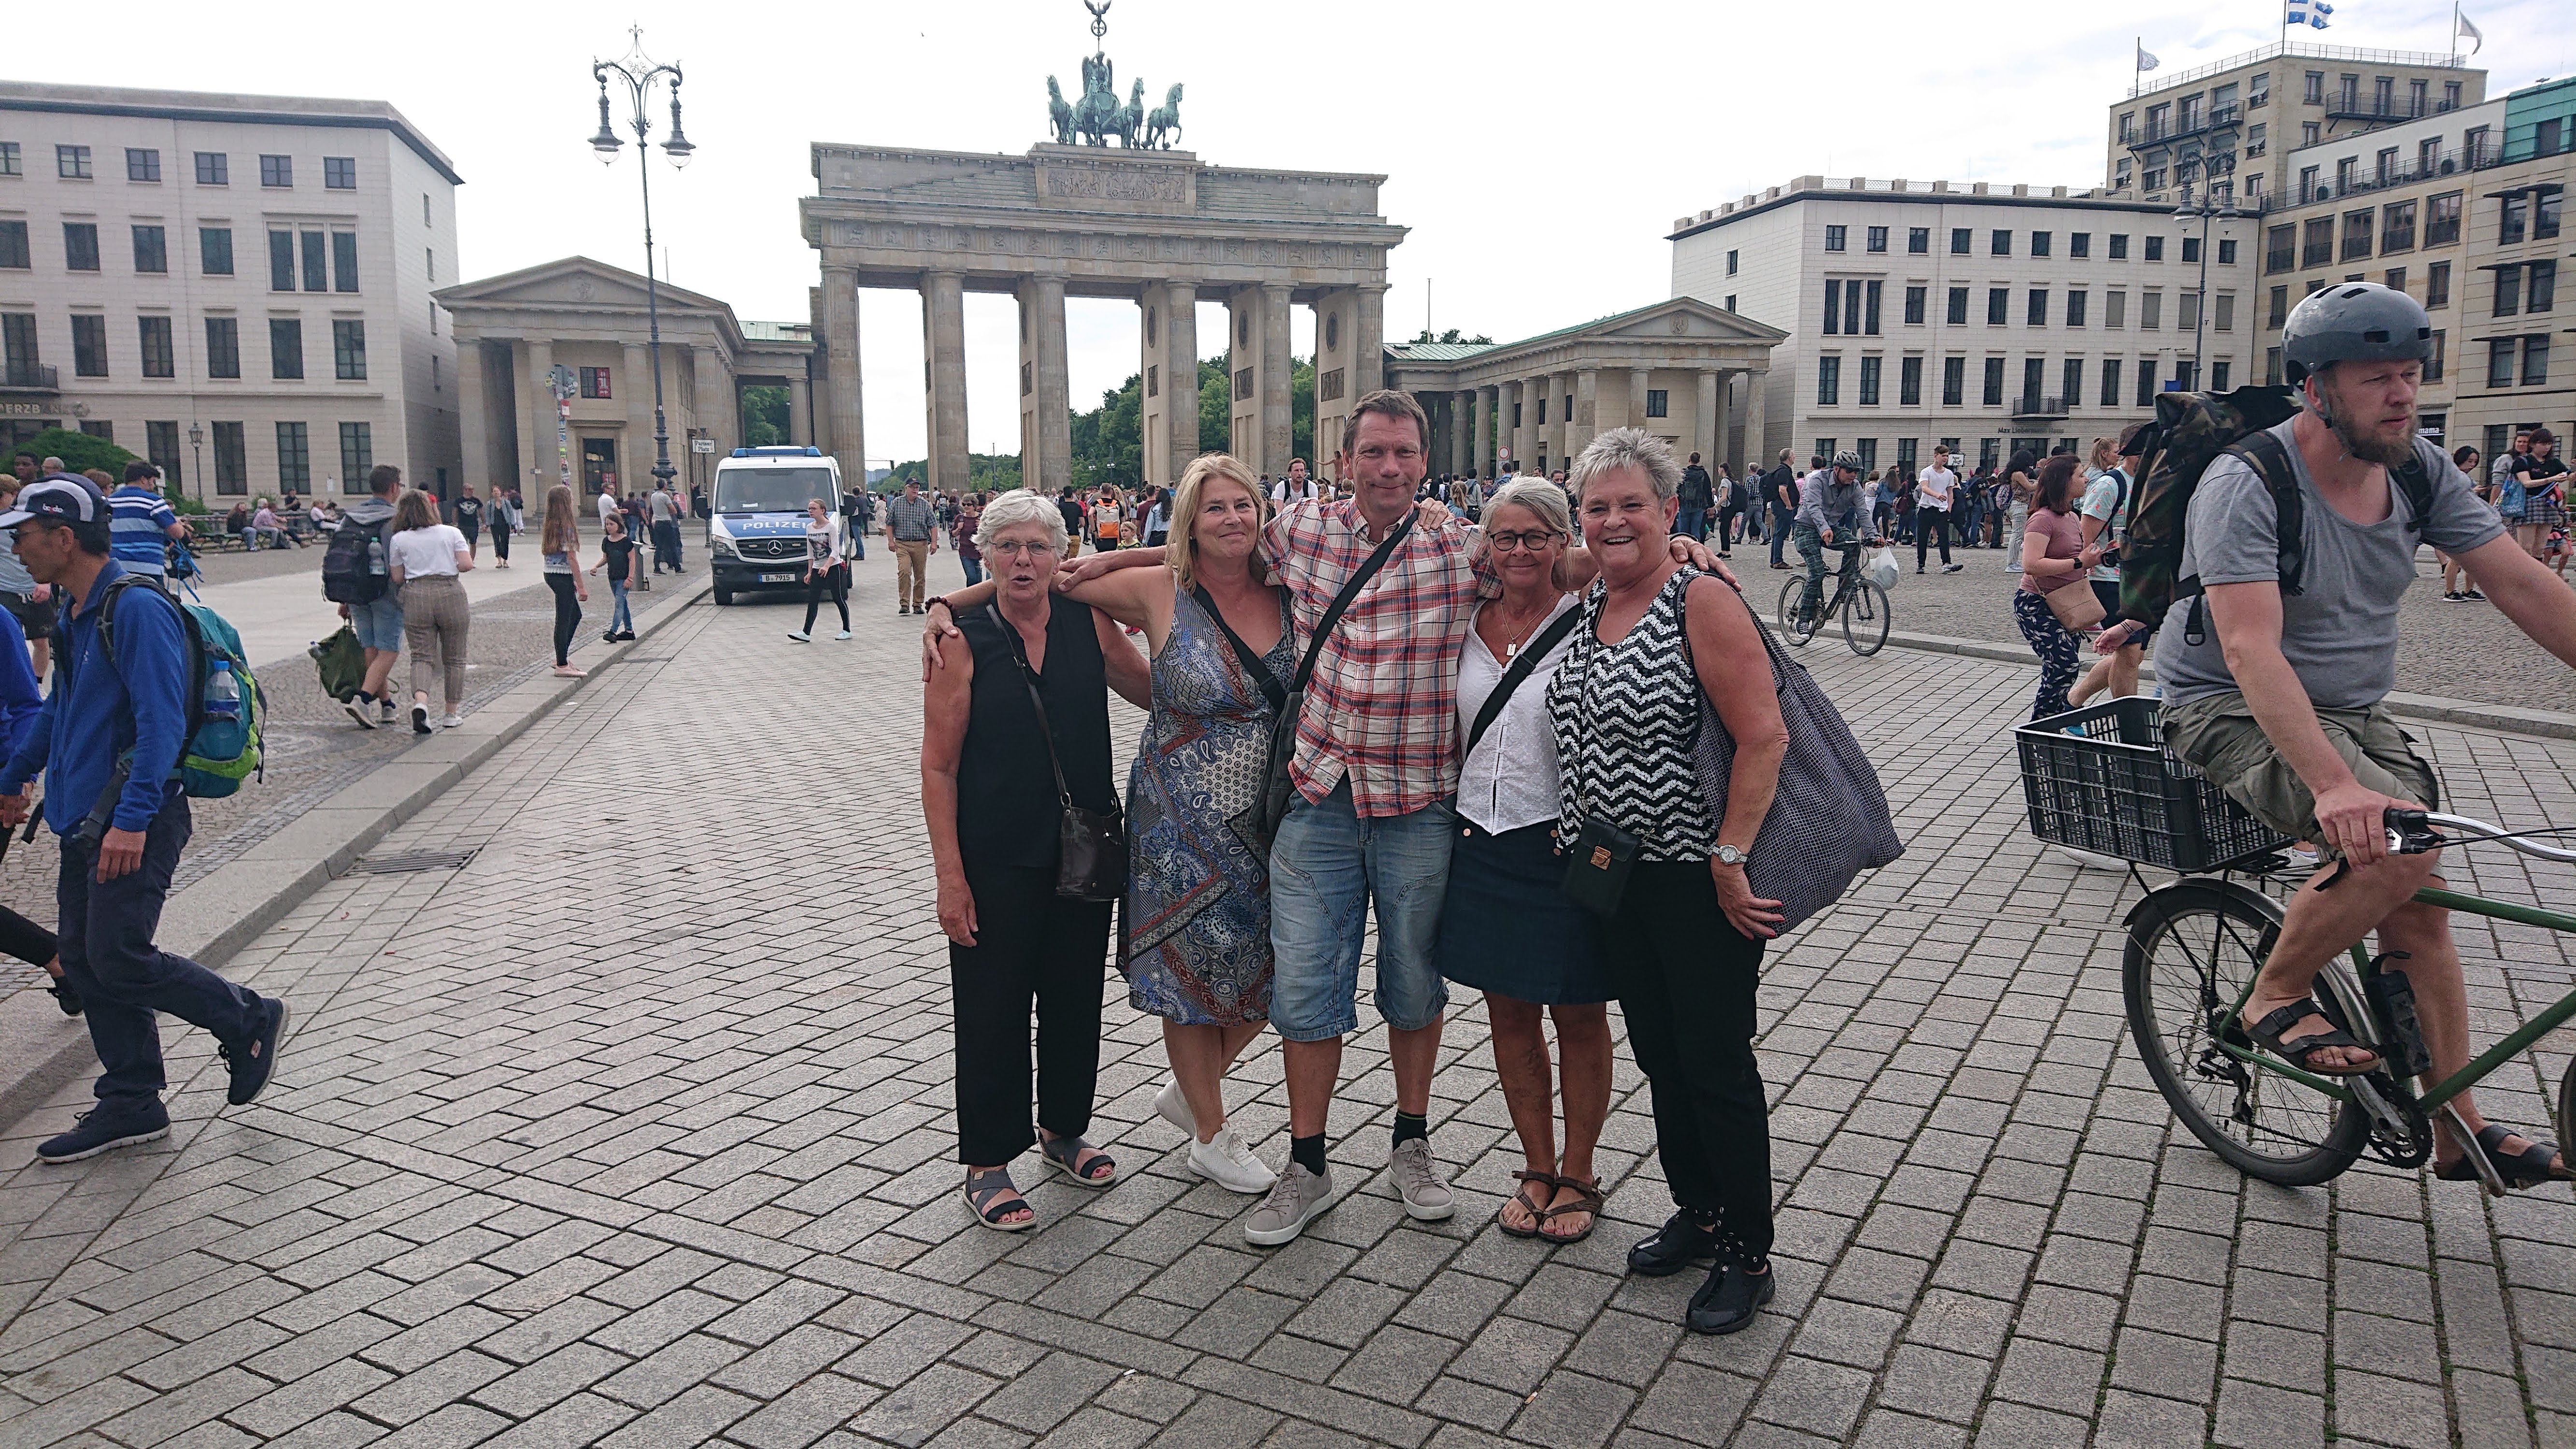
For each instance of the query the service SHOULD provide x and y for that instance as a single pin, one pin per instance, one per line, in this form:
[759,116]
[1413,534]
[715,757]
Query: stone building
[1986,317]
[1678,368]
[236,287]
[513,330]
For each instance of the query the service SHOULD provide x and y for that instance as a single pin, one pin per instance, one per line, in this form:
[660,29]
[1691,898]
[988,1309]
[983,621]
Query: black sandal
[2530,1167]
[2299,1050]
[981,1199]
[1588,1198]
[1064,1152]
[1537,1210]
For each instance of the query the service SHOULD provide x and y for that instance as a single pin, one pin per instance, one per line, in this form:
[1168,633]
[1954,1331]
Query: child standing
[617,555]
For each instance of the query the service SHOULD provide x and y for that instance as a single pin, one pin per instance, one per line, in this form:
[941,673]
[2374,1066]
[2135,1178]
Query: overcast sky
[1538,152]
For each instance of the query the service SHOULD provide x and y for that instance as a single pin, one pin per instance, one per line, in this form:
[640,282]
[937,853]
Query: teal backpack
[222,745]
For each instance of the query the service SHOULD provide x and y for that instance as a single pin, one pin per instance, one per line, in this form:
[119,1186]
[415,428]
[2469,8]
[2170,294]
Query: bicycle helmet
[1847,459]
[2353,322]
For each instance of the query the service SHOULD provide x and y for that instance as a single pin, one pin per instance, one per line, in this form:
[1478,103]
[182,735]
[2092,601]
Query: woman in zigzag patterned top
[1683,938]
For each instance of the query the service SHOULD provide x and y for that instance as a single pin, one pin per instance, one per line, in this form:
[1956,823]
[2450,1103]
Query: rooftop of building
[777,332]
[2298,50]
[1861,188]
[91,100]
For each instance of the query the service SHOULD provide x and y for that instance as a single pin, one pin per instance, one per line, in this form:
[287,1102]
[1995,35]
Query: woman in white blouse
[1505,927]
[426,558]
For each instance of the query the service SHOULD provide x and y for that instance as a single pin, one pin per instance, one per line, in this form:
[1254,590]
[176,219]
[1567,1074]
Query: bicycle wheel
[1865,618]
[2192,947]
[1788,615]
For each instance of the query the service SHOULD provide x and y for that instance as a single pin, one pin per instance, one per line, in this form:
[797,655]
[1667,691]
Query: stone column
[635,455]
[841,379]
[1046,419]
[473,420]
[1278,431]
[537,409]
[1461,458]
[1480,445]
[1757,443]
[1638,377]
[1587,410]
[800,418]
[1368,340]
[1544,420]
[716,403]
[1511,422]
[1709,422]
[943,323]
[1243,377]
[1181,376]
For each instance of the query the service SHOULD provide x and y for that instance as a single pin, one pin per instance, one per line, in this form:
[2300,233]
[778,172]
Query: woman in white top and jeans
[827,574]
[1505,927]
[426,558]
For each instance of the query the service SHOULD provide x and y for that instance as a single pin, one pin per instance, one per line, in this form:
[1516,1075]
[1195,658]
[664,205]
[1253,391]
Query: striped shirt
[138,527]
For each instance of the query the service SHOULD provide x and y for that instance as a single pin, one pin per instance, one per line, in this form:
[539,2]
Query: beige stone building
[513,330]
[1677,368]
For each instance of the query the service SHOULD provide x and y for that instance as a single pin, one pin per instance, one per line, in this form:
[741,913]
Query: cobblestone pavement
[636,1130]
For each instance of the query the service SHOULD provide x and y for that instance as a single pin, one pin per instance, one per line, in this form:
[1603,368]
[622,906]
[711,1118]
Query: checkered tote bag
[1828,821]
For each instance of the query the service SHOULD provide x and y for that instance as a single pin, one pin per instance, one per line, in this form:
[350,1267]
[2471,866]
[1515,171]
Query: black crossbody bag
[1275,787]
[1091,854]
[1597,868]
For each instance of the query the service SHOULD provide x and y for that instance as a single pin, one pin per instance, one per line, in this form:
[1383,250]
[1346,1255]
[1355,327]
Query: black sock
[1409,1125]
[1308,1153]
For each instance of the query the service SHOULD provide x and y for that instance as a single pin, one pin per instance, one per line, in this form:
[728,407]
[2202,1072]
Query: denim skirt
[1506,926]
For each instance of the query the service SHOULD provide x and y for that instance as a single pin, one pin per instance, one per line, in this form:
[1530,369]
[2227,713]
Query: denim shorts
[379,626]
[1327,866]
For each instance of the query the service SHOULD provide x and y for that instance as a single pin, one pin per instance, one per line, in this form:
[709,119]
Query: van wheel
[724,596]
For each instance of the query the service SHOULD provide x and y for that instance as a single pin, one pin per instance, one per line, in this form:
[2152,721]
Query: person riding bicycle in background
[2280,701]
[1829,508]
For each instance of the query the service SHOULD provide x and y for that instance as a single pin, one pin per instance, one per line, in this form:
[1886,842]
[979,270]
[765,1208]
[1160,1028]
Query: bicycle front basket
[2100,779]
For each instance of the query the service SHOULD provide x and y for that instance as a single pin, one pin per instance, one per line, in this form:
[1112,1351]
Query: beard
[2359,441]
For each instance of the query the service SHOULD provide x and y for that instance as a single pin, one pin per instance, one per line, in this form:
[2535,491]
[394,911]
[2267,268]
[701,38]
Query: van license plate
[778,578]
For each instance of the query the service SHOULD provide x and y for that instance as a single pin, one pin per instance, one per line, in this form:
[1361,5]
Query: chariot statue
[1097,117]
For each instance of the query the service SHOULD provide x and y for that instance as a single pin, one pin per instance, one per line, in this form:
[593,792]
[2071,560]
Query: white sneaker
[1225,1161]
[1299,1198]
[1175,1108]
[1417,1178]
[844,634]
[451,721]
[800,636]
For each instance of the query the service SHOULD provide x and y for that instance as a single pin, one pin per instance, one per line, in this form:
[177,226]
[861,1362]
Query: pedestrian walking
[2104,512]
[20,703]
[144,525]
[2540,475]
[1015,737]
[1934,488]
[912,530]
[970,554]
[357,574]
[663,513]
[2456,587]
[1684,938]
[2054,558]
[617,556]
[506,519]
[108,742]
[2015,494]
[559,545]
[1108,519]
[858,511]
[1698,497]
[1780,497]
[827,574]
[428,560]
[1730,511]
[469,519]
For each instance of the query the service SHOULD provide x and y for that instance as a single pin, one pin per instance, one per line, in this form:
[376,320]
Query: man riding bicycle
[2280,700]
[1829,507]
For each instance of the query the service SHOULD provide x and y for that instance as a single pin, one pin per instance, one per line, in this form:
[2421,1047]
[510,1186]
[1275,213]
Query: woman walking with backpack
[426,558]
[559,541]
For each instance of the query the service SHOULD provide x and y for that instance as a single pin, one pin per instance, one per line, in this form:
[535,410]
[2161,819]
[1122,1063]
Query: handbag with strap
[2075,605]
[1828,820]
[1091,855]
[1597,867]
[1520,670]
[1276,788]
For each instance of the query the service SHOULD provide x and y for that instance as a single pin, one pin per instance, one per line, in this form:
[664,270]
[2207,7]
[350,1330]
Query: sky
[1538,152]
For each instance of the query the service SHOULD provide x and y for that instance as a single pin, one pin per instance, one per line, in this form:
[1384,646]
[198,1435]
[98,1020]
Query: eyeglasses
[1022,550]
[1536,540]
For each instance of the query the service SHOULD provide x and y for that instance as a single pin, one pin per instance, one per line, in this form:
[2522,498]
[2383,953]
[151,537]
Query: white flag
[2145,61]
[2470,31]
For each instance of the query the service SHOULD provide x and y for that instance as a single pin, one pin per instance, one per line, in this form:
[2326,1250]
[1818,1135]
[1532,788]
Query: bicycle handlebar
[2415,832]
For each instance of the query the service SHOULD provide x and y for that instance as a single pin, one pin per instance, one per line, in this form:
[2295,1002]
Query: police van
[756,531]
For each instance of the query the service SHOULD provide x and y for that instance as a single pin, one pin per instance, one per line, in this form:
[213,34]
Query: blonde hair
[560,533]
[414,510]
[1186,499]
[2106,454]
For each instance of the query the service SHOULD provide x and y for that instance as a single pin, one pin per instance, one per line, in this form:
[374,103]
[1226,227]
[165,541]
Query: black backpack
[347,576]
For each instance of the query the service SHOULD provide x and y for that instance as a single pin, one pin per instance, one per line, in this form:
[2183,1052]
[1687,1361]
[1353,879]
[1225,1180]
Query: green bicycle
[1861,604]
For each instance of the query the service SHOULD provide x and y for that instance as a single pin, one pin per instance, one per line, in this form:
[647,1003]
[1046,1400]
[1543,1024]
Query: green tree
[985,473]
[1109,440]
[764,417]
[1216,407]
[79,451]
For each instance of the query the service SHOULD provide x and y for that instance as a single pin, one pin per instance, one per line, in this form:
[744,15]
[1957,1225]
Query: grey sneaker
[1417,1177]
[1299,1198]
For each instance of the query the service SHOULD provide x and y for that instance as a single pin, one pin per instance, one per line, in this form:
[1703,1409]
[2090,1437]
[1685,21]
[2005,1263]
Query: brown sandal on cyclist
[2536,1163]
[1534,1210]
[1588,1201]
[2300,1051]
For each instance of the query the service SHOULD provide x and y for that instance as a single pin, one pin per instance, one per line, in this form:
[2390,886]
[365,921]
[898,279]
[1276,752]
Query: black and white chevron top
[1626,717]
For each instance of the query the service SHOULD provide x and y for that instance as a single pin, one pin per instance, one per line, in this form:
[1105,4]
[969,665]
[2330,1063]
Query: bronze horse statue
[1059,113]
[1163,126]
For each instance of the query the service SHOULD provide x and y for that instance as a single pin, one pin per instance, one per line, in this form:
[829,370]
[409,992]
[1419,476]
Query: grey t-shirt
[2340,632]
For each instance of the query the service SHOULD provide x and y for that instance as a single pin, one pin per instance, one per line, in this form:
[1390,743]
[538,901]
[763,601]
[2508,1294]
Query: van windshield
[772,490]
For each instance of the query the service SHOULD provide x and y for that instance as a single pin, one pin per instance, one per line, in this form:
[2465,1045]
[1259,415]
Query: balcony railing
[2222,119]
[29,377]
[2032,405]
[2353,108]
[2418,169]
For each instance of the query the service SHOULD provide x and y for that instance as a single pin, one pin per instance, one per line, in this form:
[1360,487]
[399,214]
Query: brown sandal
[1537,1210]
[1588,1199]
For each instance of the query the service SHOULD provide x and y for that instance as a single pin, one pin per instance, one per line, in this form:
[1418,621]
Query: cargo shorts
[2219,737]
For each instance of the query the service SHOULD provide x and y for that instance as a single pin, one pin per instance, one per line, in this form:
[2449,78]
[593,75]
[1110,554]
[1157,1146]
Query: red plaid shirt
[1382,708]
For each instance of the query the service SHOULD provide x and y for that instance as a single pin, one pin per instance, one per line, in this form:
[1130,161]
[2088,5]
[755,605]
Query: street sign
[702,445]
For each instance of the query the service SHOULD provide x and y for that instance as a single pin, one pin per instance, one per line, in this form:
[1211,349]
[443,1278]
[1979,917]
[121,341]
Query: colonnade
[1541,420]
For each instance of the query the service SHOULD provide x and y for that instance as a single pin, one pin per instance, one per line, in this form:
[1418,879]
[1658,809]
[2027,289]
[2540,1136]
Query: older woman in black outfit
[988,792]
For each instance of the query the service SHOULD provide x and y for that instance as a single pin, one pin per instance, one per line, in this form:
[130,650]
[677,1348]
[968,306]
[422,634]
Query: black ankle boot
[1686,1238]
[1728,1301]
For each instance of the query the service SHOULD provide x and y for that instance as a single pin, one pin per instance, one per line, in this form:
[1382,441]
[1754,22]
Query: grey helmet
[2353,322]
[1847,460]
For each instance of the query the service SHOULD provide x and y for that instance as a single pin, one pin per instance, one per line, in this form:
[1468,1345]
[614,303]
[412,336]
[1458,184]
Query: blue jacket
[96,713]
[20,699]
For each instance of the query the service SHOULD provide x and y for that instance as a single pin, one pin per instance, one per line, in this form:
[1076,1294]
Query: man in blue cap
[108,741]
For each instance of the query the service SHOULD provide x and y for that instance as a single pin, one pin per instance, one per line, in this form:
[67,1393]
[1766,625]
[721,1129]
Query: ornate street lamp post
[197,458]
[2213,206]
[639,74]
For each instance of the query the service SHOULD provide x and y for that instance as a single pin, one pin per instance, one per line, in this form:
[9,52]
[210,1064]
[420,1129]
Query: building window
[1829,382]
[1869,373]
[1834,237]
[2186,311]
[1998,306]
[294,458]
[2271,367]
[1868,449]
[2397,227]
[357,456]
[142,164]
[223,347]
[2442,219]
[80,246]
[2280,249]
[2036,312]
[277,171]
[2316,242]
[214,168]
[2070,384]
[89,345]
[2000,244]
[2115,309]
[2396,279]
[72,163]
[14,251]
[344,261]
[2151,307]
[2155,248]
[2075,305]
[1958,241]
[281,261]
[1824,447]
[2508,291]
[2356,233]
[2223,314]
[340,173]
[1994,390]
[1954,381]
[1833,307]
[215,250]
[594,382]
[1869,312]
[2437,285]
[9,159]
[1914,298]
[2191,249]
[285,347]
[2546,202]
[2433,364]
[232,462]
[1907,453]
[1730,264]
[2128,127]
[2079,243]
[157,357]
[2280,308]
[1909,382]
[2119,246]
[1958,313]
[1658,402]
[2226,253]
[1918,241]
[2110,382]
[1877,241]
[2542,292]
[2499,361]
[2031,368]
[2219,375]
[161,447]
[1730,301]
[151,249]
[2513,220]
[349,350]
[2040,242]
[317,264]
[2146,394]
[2307,133]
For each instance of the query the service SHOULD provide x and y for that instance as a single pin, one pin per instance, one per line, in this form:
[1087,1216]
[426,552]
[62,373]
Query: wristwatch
[1729,855]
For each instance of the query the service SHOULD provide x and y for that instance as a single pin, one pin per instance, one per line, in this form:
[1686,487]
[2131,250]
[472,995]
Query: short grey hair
[1629,448]
[1016,507]
[1538,496]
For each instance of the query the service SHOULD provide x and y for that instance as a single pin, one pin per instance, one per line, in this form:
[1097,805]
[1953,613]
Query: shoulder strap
[1350,591]
[1029,677]
[1271,689]
[1520,670]
[2416,483]
[2271,462]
